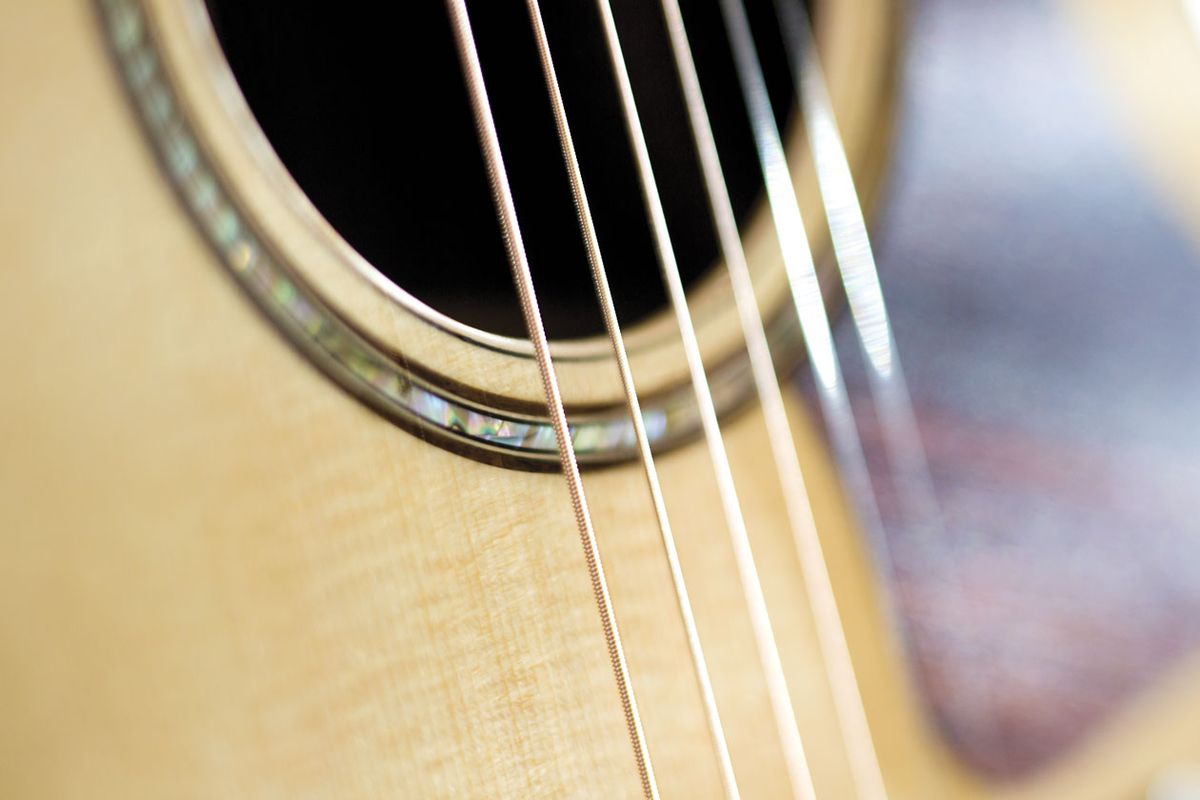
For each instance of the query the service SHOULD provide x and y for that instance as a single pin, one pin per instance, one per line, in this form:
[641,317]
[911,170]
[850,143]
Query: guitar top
[705,398]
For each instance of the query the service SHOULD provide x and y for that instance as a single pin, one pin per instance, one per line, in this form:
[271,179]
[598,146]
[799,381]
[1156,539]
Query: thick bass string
[859,274]
[506,211]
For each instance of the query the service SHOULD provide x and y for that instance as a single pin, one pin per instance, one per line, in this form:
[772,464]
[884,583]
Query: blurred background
[1038,245]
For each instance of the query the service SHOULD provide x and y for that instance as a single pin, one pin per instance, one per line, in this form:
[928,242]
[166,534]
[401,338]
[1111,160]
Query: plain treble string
[835,650]
[802,281]
[799,775]
[611,323]
[860,275]
[905,450]
[506,211]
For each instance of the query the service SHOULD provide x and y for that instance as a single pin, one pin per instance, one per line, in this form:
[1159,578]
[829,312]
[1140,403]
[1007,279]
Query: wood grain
[223,577]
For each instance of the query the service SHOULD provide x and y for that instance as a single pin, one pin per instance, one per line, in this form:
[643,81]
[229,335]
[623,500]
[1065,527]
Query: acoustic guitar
[451,403]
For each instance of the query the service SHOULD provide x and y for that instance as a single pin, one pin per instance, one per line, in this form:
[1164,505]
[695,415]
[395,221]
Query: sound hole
[371,118]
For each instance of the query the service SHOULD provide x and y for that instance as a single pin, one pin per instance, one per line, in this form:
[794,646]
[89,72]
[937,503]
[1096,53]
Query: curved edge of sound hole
[374,376]
[379,135]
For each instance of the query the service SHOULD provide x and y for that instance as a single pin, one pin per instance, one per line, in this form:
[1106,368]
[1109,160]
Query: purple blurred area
[1045,303]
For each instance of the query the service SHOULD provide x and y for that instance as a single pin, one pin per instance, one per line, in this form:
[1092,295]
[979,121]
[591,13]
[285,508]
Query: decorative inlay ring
[377,377]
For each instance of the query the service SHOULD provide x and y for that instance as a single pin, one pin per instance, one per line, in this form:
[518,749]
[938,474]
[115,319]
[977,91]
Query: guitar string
[834,648]
[907,460]
[803,283]
[611,323]
[514,245]
[799,775]
[860,275]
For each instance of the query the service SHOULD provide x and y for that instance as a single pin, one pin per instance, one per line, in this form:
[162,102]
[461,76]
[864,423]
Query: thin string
[907,460]
[834,648]
[802,280]
[608,309]
[506,211]
[799,774]
[860,275]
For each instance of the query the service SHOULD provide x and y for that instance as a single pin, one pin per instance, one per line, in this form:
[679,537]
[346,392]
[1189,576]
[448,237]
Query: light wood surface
[222,577]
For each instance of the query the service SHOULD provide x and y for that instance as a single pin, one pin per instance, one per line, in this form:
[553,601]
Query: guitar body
[223,575]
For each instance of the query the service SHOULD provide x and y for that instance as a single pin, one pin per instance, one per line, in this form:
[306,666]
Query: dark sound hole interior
[370,116]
